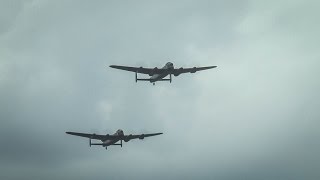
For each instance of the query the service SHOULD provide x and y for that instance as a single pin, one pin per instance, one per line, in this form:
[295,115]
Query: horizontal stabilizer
[143,79]
[150,79]
[164,80]
[100,144]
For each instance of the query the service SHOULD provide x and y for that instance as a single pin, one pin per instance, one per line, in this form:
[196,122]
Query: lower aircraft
[159,74]
[112,139]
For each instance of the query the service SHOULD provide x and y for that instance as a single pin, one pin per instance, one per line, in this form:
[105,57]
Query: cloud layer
[254,117]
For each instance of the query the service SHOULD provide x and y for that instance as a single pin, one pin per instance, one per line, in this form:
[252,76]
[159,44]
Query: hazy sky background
[256,116]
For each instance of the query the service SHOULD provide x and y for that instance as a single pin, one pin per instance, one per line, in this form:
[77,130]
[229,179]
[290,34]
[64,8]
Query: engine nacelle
[179,72]
[141,136]
[155,70]
[193,70]
[128,138]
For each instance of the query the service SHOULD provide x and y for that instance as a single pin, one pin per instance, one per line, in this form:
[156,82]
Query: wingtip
[210,67]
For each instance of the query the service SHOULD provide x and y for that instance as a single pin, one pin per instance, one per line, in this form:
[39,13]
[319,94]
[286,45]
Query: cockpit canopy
[169,64]
[120,131]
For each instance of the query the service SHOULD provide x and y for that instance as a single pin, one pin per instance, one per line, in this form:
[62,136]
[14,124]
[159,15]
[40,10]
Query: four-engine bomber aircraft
[112,139]
[159,74]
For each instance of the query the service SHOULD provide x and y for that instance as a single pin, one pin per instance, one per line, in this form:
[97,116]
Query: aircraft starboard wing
[191,70]
[140,136]
[93,136]
[141,70]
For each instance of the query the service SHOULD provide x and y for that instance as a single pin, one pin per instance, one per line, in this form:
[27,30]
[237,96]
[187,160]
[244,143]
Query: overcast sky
[256,116]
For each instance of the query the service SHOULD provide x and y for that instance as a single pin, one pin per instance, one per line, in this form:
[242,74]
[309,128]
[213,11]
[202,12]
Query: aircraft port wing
[93,136]
[141,70]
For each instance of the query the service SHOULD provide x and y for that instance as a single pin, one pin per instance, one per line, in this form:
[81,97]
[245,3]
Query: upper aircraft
[159,74]
[112,139]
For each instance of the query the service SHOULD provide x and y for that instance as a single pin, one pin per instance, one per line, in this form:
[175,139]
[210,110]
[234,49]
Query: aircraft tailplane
[143,79]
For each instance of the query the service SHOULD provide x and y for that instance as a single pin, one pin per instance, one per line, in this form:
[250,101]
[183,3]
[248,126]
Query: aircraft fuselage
[156,77]
[113,141]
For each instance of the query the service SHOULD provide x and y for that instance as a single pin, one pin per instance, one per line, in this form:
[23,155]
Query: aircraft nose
[120,131]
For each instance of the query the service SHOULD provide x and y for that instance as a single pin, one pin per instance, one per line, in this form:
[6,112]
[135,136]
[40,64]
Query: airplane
[159,74]
[108,140]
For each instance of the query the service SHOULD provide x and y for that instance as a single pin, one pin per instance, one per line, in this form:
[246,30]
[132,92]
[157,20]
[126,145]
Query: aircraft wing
[93,136]
[140,136]
[191,70]
[141,70]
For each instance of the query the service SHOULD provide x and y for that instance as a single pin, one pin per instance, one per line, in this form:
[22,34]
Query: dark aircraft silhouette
[108,140]
[158,74]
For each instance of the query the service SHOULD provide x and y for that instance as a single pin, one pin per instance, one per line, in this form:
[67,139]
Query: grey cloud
[9,12]
[254,117]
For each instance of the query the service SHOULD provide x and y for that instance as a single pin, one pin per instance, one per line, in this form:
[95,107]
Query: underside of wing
[92,136]
[139,136]
[141,70]
[179,71]
[133,69]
